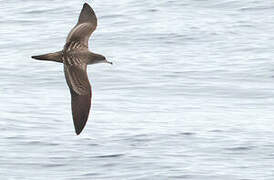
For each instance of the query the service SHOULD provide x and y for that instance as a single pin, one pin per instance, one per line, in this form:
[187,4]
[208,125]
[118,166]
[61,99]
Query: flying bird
[76,56]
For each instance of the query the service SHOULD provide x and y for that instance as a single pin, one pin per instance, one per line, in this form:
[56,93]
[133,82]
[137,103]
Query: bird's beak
[106,61]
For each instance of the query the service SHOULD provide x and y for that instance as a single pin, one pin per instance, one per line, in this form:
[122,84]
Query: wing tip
[79,127]
[86,5]
[80,118]
[78,132]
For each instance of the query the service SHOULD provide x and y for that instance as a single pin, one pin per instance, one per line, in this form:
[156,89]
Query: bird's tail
[56,56]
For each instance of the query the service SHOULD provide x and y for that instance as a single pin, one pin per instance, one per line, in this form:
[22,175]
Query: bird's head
[98,58]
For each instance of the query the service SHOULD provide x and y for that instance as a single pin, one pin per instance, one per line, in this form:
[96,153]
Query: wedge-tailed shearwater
[76,56]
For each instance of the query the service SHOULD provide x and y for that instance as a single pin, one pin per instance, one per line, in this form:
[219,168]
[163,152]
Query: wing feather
[86,24]
[80,89]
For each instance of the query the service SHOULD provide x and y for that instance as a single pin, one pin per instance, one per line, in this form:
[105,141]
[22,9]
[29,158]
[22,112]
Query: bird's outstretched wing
[86,24]
[80,89]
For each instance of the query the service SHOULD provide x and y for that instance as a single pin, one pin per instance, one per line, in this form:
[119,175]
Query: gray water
[190,94]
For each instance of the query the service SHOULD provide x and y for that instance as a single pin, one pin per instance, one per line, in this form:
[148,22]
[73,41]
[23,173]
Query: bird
[75,57]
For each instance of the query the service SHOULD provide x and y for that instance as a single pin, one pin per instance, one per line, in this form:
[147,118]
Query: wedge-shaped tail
[56,56]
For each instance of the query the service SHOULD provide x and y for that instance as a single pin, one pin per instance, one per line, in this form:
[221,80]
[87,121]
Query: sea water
[190,94]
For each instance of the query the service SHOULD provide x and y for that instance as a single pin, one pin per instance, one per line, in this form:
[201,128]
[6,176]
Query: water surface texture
[190,95]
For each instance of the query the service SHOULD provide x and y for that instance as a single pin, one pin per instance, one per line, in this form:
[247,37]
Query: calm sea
[190,95]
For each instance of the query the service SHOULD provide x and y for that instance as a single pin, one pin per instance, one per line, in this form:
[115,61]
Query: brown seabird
[76,56]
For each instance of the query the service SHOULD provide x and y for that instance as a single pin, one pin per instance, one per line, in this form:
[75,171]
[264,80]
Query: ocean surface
[190,95]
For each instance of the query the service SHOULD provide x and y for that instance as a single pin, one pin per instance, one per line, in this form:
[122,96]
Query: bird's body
[76,56]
